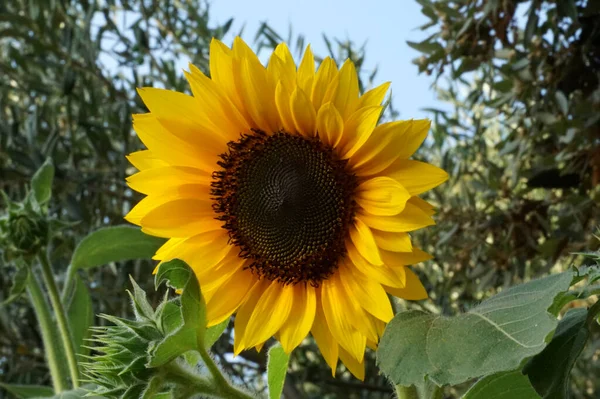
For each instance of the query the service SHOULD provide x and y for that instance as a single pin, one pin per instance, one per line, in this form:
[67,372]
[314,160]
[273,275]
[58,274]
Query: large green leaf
[41,182]
[27,391]
[550,370]
[495,336]
[505,385]
[213,333]
[81,314]
[112,244]
[177,274]
[276,370]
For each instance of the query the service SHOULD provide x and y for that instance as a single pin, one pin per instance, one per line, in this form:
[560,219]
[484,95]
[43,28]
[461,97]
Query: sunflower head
[288,198]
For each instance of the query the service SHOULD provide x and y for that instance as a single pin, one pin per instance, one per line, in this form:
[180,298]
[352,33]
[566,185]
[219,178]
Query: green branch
[49,335]
[61,318]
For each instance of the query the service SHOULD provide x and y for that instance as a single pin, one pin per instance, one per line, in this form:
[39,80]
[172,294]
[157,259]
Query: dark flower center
[287,203]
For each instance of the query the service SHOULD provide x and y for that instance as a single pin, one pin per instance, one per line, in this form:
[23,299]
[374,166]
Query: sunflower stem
[192,383]
[61,318]
[225,390]
[49,334]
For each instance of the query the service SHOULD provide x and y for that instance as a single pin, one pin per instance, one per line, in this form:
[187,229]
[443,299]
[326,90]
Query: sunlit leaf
[505,385]
[492,337]
[276,370]
[113,244]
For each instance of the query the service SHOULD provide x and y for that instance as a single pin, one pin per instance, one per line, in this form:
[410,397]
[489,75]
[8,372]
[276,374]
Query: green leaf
[80,313]
[28,391]
[425,46]
[113,244]
[213,333]
[20,280]
[567,8]
[505,385]
[190,335]
[550,370]
[492,337]
[172,346]
[141,306]
[562,102]
[79,393]
[169,317]
[276,370]
[41,182]
[531,25]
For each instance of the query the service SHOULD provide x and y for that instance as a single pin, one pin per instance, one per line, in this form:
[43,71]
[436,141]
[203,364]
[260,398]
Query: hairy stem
[219,380]
[61,318]
[49,335]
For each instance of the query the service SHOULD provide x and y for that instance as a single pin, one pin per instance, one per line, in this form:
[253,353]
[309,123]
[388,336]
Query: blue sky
[385,25]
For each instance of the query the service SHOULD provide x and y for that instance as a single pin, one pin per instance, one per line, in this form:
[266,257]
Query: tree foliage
[518,132]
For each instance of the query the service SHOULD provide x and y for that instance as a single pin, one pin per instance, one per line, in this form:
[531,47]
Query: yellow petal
[412,218]
[330,125]
[413,291]
[404,258]
[358,128]
[326,74]
[368,293]
[221,72]
[179,218]
[225,116]
[413,138]
[325,341]
[355,367]
[168,194]
[228,297]
[381,149]
[243,315]
[381,274]
[257,93]
[363,240]
[157,179]
[306,71]
[382,196]
[335,307]
[212,277]
[145,160]
[423,205]
[397,242]
[167,247]
[357,315]
[287,71]
[417,177]
[345,99]
[374,96]
[301,317]
[270,312]
[184,117]
[196,248]
[282,101]
[170,148]
[303,113]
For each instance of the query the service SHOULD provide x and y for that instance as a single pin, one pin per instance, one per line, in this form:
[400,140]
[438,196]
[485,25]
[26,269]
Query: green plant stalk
[68,282]
[49,334]
[192,383]
[593,312]
[407,392]
[61,318]
[220,382]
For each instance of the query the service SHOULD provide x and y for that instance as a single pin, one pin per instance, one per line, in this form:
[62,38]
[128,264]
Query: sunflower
[290,202]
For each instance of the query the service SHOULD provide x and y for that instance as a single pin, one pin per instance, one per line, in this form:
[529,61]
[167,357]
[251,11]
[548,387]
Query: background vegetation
[520,137]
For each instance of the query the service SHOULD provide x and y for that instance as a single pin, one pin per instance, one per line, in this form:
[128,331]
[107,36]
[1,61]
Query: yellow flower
[289,201]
